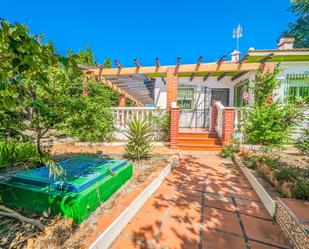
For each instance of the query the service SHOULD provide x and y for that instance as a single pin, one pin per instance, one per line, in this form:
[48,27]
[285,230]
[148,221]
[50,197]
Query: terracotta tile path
[205,202]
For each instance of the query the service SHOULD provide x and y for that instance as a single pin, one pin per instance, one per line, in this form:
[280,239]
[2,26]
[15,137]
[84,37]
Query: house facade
[203,98]
[195,94]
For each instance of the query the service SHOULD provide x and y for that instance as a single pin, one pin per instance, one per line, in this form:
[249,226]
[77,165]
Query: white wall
[290,68]
[211,82]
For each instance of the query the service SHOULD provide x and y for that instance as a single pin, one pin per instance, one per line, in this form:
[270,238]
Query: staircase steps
[204,141]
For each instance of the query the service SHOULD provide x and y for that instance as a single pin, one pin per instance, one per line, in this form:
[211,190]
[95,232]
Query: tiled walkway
[205,202]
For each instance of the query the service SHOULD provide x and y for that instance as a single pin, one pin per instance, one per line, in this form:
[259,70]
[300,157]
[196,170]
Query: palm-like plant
[139,134]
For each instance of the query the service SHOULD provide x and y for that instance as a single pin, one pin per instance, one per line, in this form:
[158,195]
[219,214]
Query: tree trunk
[38,141]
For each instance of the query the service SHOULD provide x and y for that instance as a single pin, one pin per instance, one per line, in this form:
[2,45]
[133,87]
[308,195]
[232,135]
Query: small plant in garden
[139,134]
[300,189]
[161,124]
[227,151]
[302,143]
[26,155]
[252,162]
[286,174]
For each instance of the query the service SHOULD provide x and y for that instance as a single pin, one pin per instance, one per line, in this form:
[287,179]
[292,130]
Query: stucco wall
[211,82]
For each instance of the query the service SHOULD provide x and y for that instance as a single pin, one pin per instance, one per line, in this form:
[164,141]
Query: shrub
[300,189]
[252,162]
[286,174]
[303,143]
[26,155]
[270,122]
[161,124]
[139,136]
[227,151]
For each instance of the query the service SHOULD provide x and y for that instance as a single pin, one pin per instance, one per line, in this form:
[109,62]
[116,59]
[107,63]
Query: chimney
[235,56]
[286,43]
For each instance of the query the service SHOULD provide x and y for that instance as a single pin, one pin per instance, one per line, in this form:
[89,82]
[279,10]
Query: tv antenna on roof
[237,34]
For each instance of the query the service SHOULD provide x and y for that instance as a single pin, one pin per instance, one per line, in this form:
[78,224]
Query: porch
[198,97]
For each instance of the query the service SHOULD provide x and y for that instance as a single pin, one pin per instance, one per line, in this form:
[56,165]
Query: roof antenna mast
[237,34]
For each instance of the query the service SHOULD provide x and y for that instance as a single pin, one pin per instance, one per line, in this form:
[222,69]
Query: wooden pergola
[128,81]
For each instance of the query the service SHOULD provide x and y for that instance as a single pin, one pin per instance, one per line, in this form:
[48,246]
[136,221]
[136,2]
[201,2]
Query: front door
[194,105]
[222,95]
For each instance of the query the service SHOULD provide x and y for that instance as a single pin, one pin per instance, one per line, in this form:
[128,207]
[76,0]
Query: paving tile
[143,226]
[222,220]
[263,230]
[217,240]
[178,235]
[252,208]
[158,204]
[257,245]
[107,218]
[186,212]
[127,243]
[216,201]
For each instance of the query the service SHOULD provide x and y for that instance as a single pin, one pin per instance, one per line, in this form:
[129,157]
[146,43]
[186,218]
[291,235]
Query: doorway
[222,95]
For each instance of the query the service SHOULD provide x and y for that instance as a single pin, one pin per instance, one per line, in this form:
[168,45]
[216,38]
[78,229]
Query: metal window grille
[186,95]
[296,86]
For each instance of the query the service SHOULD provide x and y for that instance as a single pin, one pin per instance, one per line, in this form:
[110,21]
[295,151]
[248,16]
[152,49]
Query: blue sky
[125,30]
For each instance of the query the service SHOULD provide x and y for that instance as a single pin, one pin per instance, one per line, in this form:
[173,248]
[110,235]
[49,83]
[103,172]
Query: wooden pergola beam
[198,63]
[184,68]
[118,64]
[267,58]
[222,76]
[235,77]
[136,62]
[115,88]
[244,58]
[178,61]
[206,76]
[222,59]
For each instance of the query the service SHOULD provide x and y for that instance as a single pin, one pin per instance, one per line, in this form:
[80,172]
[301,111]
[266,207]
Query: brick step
[198,141]
[209,147]
[198,135]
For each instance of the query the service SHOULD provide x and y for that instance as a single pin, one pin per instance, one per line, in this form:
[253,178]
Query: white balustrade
[219,123]
[123,115]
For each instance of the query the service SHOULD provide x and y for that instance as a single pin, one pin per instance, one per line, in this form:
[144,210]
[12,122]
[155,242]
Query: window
[296,86]
[186,95]
[242,94]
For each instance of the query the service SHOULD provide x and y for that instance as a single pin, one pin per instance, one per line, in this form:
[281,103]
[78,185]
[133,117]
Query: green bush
[252,162]
[286,174]
[12,153]
[26,155]
[227,151]
[270,124]
[303,143]
[300,189]
[161,125]
[139,134]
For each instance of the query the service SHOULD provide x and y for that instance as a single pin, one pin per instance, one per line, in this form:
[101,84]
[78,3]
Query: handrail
[123,115]
[134,108]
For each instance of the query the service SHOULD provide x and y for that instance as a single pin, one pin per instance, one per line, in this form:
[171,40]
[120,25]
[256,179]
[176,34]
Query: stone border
[113,230]
[267,201]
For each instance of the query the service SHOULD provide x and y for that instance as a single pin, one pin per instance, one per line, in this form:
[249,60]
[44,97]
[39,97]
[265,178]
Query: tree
[270,122]
[300,29]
